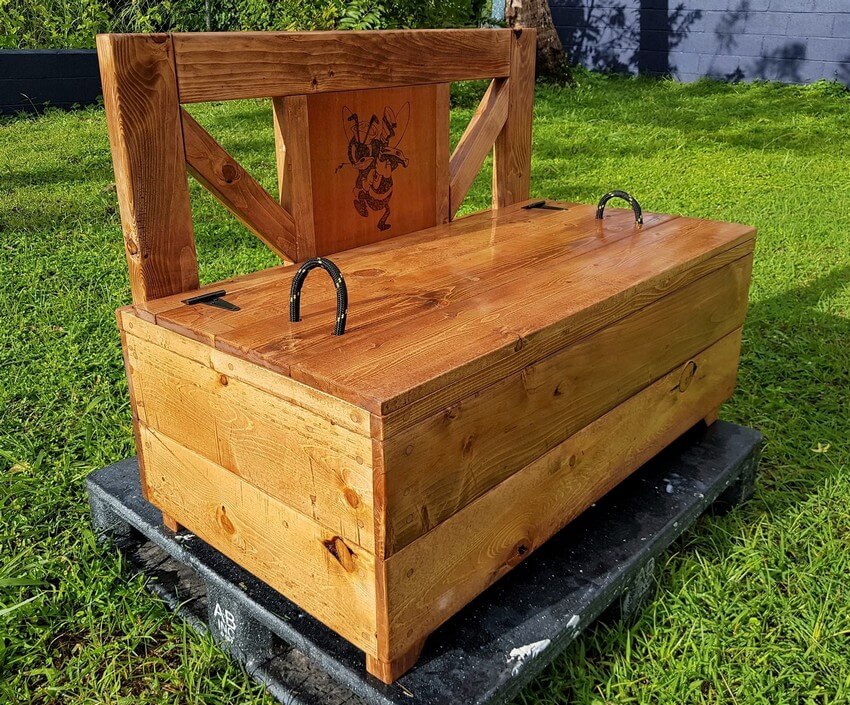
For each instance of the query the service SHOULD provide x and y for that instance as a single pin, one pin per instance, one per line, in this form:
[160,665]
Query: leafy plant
[74,23]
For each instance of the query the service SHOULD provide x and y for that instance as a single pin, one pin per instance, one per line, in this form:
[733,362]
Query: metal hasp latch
[213,298]
[542,205]
[339,283]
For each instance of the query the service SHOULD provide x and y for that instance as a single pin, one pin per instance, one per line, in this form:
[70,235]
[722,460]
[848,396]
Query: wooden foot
[711,417]
[389,671]
[170,523]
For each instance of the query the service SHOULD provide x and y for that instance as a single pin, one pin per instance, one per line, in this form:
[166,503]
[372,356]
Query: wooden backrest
[361,124]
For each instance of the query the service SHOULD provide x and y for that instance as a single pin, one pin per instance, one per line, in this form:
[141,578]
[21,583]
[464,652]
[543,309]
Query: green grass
[753,607]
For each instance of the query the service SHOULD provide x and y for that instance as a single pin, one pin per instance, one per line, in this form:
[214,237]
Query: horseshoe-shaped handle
[600,208]
[339,283]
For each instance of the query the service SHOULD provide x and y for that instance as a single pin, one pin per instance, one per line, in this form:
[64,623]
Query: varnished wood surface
[435,576]
[512,150]
[477,140]
[232,65]
[312,566]
[237,190]
[292,129]
[335,410]
[437,466]
[307,461]
[394,183]
[143,119]
[433,309]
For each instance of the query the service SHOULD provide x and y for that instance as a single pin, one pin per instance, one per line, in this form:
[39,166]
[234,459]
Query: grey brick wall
[794,41]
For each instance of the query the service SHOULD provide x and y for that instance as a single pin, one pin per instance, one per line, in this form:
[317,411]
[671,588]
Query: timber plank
[463,314]
[387,367]
[237,190]
[439,573]
[289,551]
[441,147]
[334,410]
[321,470]
[373,159]
[293,125]
[233,65]
[477,140]
[437,466]
[512,150]
[143,121]
[410,246]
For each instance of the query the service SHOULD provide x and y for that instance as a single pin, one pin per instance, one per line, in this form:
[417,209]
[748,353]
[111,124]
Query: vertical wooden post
[512,150]
[295,177]
[441,161]
[279,151]
[146,136]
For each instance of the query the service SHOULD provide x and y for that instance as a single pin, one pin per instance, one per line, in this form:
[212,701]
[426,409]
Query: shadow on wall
[624,37]
[782,63]
[649,37]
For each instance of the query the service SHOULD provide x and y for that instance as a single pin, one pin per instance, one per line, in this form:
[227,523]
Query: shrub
[74,23]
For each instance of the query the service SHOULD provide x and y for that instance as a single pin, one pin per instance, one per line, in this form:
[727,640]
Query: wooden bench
[497,374]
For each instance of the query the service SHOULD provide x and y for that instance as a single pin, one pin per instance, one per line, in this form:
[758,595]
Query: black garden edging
[32,79]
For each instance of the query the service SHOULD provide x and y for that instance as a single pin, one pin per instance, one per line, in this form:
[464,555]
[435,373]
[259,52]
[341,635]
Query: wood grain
[512,150]
[237,190]
[297,188]
[477,140]
[442,144]
[227,66]
[481,322]
[421,323]
[317,468]
[334,410]
[437,466]
[287,550]
[389,187]
[441,572]
[465,279]
[143,120]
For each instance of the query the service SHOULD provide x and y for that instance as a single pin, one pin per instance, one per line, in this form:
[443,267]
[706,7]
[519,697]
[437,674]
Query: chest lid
[443,312]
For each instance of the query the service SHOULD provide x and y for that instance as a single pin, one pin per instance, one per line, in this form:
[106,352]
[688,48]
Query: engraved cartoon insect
[373,151]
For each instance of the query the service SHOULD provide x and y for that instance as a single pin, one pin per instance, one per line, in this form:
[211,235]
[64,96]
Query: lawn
[753,607]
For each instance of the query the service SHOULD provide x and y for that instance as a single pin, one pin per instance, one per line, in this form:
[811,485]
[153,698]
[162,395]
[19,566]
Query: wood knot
[224,520]
[352,498]
[343,554]
[687,376]
[519,552]
[223,381]
[229,172]
[519,345]
[468,443]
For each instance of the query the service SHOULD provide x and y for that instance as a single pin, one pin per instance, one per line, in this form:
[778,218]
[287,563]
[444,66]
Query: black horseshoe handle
[600,208]
[339,283]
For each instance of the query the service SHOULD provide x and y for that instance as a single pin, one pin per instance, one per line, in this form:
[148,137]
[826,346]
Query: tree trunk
[551,61]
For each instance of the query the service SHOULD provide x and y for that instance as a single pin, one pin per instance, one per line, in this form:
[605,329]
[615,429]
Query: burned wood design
[373,152]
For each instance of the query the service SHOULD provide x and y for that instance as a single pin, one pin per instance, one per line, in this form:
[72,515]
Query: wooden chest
[499,373]
[384,478]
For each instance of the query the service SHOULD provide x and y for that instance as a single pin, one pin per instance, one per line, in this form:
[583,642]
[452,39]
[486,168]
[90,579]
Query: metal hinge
[213,298]
[544,206]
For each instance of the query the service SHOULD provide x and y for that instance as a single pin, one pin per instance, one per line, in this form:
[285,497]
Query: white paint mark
[574,620]
[529,651]
[225,621]
[669,488]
